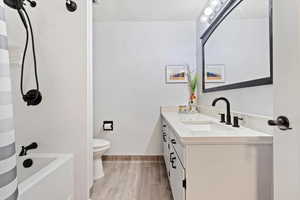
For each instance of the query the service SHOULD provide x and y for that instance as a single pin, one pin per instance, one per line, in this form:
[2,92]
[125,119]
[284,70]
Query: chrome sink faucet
[228,115]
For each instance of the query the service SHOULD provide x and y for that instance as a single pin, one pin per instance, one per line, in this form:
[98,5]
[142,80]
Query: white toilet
[100,146]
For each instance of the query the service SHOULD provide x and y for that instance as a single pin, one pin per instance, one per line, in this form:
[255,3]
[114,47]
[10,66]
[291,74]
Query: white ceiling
[147,10]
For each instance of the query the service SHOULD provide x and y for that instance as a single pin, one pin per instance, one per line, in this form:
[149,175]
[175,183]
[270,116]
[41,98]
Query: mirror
[237,47]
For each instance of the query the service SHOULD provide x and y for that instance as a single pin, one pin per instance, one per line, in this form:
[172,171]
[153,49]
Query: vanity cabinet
[214,169]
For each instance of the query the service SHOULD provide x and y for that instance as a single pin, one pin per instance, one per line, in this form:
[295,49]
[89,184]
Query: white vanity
[207,160]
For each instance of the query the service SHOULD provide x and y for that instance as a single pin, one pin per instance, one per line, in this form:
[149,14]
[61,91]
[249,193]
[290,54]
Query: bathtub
[49,178]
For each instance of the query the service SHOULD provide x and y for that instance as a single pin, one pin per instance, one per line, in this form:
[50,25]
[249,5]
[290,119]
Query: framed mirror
[237,48]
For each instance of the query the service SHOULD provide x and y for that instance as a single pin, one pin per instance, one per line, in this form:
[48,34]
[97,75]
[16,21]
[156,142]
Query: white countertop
[240,135]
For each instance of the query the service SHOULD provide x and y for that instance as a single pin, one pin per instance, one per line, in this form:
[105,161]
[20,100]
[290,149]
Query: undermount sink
[206,126]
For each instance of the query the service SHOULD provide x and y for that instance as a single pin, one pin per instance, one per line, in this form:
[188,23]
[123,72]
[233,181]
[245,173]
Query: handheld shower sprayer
[32,97]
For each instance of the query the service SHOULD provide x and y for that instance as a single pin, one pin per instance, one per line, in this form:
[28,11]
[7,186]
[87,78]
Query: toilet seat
[100,144]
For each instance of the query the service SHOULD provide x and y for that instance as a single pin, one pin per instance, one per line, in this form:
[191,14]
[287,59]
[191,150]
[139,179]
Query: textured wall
[8,170]
[129,79]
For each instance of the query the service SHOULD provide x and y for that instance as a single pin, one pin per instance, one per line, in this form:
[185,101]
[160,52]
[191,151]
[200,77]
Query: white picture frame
[176,74]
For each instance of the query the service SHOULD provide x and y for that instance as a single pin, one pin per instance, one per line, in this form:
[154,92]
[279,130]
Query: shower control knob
[282,122]
[71,5]
[32,3]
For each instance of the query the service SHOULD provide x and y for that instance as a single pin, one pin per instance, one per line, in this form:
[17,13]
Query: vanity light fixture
[210,12]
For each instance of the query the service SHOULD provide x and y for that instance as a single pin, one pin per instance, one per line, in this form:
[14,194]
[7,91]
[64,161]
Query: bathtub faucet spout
[24,150]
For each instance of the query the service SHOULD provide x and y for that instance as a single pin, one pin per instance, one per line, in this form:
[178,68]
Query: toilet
[100,146]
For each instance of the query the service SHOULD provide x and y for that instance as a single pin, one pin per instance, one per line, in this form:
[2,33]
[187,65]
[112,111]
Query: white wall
[59,124]
[254,100]
[129,79]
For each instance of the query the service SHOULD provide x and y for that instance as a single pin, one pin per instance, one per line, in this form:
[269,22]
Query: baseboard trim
[132,158]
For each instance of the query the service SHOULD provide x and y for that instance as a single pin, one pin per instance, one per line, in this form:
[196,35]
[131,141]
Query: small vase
[193,103]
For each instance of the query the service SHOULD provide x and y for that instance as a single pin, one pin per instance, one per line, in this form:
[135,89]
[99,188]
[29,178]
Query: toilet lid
[98,143]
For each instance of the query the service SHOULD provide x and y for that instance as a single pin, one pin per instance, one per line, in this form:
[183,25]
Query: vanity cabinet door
[179,149]
[177,177]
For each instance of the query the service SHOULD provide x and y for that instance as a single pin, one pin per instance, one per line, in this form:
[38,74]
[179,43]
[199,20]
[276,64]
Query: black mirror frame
[206,35]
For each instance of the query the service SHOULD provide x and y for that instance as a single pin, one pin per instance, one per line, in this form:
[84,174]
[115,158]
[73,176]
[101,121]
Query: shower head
[15,4]
[18,4]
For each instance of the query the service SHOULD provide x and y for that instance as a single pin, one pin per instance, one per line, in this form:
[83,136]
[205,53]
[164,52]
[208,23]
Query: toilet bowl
[100,146]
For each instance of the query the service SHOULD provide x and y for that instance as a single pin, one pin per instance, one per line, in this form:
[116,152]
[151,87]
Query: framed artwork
[176,74]
[215,74]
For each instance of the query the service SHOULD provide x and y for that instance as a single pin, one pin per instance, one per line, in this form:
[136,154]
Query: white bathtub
[49,178]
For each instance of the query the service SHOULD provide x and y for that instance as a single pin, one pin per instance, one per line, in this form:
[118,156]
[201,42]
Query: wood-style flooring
[133,180]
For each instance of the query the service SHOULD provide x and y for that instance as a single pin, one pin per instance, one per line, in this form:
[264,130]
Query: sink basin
[206,126]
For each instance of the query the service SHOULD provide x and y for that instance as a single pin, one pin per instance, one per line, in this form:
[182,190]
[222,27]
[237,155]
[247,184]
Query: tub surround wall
[59,123]
[129,79]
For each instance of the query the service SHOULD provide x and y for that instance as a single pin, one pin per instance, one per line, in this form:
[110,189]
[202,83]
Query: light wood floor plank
[129,180]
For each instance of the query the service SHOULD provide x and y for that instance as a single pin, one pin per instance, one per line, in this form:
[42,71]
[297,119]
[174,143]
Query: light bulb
[208,11]
[204,19]
[214,3]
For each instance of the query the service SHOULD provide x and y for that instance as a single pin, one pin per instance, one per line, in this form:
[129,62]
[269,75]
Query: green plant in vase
[193,83]
[193,88]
